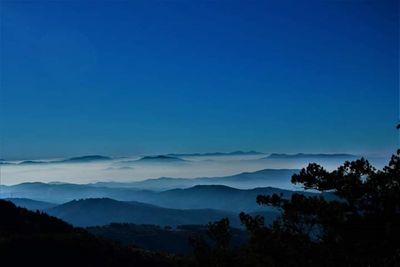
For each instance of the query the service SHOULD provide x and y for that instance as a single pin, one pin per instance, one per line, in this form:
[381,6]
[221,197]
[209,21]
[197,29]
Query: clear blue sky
[121,78]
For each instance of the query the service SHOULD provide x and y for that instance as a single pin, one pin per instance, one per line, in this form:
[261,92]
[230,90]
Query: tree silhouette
[355,222]
[216,250]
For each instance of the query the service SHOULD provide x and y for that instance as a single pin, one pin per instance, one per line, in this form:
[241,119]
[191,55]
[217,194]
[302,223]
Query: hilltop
[37,239]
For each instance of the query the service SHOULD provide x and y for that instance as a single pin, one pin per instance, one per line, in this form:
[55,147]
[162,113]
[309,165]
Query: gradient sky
[117,78]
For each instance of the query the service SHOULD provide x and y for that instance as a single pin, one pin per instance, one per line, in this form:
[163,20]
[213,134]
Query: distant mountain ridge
[92,212]
[88,158]
[31,204]
[197,197]
[177,157]
[305,155]
[92,158]
[160,158]
[217,197]
[80,159]
[245,180]
[103,211]
[32,162]
[234,153]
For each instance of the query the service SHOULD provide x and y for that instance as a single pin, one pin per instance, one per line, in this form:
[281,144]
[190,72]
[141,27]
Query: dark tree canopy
[358,226]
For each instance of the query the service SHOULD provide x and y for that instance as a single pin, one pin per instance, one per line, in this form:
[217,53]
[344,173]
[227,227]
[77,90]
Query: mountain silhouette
[160,158]
[308,156]
[234,153]
[36,239]
[102,211]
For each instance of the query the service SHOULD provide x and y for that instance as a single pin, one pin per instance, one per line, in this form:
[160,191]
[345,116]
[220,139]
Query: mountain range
[198,197]
[92,212]
[245,180]
[234,153]
[31,204]
[81,159]
[160,158]
[310,156]
[103,211]
[89,158]
[172,157]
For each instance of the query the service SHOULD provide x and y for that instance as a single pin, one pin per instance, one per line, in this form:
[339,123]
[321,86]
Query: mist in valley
[133,169]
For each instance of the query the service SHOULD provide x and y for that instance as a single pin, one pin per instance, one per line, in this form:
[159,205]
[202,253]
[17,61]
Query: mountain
[3,162]
[92,212]
[63,192]
[89,158]
[31,204]
[310,156]
[161,158]
[246,180]
[216,197]
[36,239]
[221,197]
[28,162]
[235,153]
[198,197]
[82,159]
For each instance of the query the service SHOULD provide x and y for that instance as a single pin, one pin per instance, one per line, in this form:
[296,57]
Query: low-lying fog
[129,169]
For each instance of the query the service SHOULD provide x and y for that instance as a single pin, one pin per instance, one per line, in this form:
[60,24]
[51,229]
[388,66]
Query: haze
[130,169]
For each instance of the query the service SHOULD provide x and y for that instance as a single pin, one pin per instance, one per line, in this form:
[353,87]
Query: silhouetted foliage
[360,227]
[216,252]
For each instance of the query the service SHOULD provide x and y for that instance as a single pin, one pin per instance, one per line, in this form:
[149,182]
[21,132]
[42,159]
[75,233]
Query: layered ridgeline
[150,158]
[180,157]
[32,238]
[310,156]
[217,154]
[192,201]
[63,192]
[35,239]
[198,197]
[80,159]
[160,158]
[31,204]
[102,211]
[245,180]
[197,205]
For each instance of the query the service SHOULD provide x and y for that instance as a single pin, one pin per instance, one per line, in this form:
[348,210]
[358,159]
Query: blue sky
[122,78]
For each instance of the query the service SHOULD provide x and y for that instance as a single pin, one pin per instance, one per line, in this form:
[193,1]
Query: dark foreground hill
[36,239]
